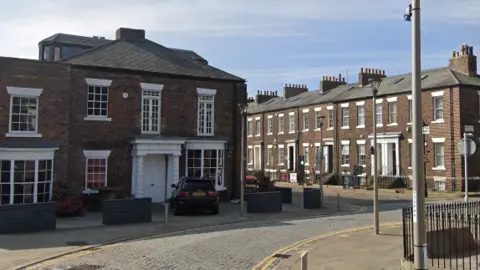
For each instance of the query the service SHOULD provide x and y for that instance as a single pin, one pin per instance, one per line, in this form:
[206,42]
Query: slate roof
[141,55]
[432,78]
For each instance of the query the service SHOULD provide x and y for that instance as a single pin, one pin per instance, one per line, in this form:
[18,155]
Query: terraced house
[126,115]
[339,118]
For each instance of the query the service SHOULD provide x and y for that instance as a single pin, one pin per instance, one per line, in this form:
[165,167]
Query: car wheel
[216,210]
[176,211]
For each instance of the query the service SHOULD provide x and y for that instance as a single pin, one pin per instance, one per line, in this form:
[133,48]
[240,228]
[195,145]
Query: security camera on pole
[467,147]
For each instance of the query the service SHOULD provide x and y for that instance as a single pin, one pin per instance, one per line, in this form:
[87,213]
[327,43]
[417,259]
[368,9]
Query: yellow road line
[267,262]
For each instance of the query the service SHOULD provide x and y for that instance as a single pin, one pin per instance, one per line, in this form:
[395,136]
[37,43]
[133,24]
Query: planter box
[286,194]
[312,198]
[23,218]
[127,211]
[264,202]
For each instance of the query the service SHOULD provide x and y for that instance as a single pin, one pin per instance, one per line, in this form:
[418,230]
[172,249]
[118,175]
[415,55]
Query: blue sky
[268,42]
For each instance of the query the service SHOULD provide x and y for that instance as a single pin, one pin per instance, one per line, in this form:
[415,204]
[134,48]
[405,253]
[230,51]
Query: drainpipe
[262,144]
[452,140]
[297,142]
[336,139]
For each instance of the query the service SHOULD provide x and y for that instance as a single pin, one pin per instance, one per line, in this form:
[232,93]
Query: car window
[194,185]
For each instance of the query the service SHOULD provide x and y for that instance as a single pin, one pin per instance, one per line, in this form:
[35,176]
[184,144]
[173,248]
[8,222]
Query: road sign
[468,128]
[426,130]
[471,147]
[357,170]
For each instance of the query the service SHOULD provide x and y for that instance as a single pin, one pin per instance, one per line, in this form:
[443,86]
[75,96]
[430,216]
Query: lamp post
[320,159]
[243,111]
[376,211]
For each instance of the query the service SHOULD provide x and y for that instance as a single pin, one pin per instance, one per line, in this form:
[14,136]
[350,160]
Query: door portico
[388,153]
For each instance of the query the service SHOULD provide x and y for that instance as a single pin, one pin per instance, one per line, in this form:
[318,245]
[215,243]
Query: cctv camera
[408,13]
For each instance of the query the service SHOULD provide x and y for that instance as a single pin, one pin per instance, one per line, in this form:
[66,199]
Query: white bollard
[304,261]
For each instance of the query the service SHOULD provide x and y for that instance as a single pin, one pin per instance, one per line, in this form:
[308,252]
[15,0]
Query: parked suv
[194,194]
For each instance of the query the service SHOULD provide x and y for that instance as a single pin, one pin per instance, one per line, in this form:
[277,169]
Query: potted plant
[66,200]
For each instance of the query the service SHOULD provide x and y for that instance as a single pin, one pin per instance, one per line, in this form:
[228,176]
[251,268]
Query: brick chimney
[129,34]
[328,83]
[464,61]
[291,90]
[263,96]
[250,99]
[369,73]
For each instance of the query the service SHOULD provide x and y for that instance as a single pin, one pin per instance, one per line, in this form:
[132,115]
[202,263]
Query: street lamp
[376,211]
[243,111]
[320,158]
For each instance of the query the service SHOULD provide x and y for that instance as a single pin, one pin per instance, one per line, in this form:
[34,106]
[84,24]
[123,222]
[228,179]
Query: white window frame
[269,156]
[361,144]
[270,125]
[210,93]
[257,164]
[99,83]
[22,92]
[318,116]
[410,109]
[435,96]
[345,120]
[156,90]
[291,124]
[360,124]
[330,118]
[440,183]
[379,104]
[347,144]
[281,155]
[392,103]
[249,127]
[219,164]
[250,155]
[96,154]
[438,141]
[258,127]
[281,124]
[306,120]
[306,156]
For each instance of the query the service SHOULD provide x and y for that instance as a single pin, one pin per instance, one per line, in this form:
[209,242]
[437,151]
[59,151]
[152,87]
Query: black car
[194,194]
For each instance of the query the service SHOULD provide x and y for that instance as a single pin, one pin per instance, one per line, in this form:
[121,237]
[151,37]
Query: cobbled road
[235,247]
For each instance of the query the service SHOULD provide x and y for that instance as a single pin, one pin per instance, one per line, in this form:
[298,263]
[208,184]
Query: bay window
[206,163]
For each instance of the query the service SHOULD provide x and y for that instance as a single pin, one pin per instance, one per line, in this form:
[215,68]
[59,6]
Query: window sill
[23,135]
[392,125]
[409,123]
[93,118]
[306,164]
[330,128]
[250,164]
[347,127]
[361,126]
[439,121]
[317,129]
[345,165]
[409,167]
[306,130]
[439,169]
[379,125]
[280,164]
[280,133]
[269,134]
[90,191]
[257,135]
[291,132]
[249,136]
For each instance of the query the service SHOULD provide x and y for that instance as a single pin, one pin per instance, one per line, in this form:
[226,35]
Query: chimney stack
[464,61]
[328,83]
[370,73]
[291,90]
[129,34]
[263,96]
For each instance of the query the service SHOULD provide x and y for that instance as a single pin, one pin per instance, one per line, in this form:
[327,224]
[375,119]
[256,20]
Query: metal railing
[453,234]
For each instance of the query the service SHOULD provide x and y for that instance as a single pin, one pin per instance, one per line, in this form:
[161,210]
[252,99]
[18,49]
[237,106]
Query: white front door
[154,177]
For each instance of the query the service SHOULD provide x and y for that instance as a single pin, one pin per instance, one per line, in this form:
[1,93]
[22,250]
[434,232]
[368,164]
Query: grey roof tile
[146,55]
[390,86]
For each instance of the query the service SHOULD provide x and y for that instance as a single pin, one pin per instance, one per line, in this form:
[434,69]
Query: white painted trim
[360,103]
[205,145]
[345,142]
[361,126]
[280,115]
[438,140]
[392,99]
[306,144]
[98,82]
[305,110]
[27,153]
[320,108]
[330,107]
[281,146]
[21,134]
[24,91]
[152,86]
[410,140]
[291,113]
[344,105]
[270,116]
[249,119]
[257,118]
[409,97]
[318,144]
[328,143]
[206,91]
[97,118]
[361,141]
[378,101]
[94,154]
[437,93]
[250,146]
[270,146]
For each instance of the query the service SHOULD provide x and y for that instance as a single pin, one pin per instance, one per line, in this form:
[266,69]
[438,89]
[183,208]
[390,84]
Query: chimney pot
[361,70]
[343,79]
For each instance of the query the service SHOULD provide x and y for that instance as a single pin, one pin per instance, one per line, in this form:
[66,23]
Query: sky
[267,42]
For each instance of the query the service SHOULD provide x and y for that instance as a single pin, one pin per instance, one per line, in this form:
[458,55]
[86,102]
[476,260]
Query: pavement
[23,249]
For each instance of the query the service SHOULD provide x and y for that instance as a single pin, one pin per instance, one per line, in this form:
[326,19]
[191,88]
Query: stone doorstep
[28,262]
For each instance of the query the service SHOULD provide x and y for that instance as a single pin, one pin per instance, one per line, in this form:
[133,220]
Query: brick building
[127,115]
[281,128]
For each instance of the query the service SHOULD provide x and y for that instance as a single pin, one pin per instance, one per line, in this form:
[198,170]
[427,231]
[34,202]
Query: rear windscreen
[196,185]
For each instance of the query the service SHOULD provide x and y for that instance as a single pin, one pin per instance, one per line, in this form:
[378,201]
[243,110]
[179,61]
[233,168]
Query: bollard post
[338,201]
[166,206]
[304,261]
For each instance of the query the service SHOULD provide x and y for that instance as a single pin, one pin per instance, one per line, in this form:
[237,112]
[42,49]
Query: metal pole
[242,169]
[419,234]
[465,149]
[320,179]
[376,214]
[304,261]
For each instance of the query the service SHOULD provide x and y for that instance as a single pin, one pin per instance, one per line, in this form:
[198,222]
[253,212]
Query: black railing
[452,234]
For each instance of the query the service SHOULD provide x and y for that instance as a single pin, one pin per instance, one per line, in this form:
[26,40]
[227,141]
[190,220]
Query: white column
[176,168]
[133,183]
[384,158]
[397,156]
[139,180]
